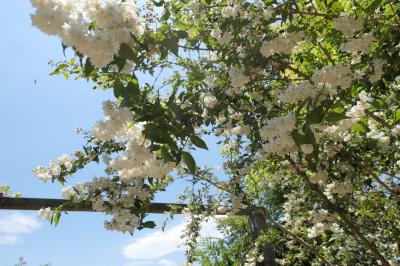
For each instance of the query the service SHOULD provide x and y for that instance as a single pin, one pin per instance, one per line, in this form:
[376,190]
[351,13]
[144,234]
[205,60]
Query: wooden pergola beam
[30,204]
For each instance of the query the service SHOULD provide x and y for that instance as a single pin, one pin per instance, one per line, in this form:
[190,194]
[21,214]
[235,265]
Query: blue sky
[39,114]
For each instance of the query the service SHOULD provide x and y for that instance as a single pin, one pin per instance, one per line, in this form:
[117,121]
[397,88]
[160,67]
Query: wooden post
[257,223]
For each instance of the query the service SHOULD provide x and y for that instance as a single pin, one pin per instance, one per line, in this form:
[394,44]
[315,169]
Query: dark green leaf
[149,224]
[157,134]
[301,139]
[172,44]
[88,68]
[127,52]
[198,142]
[189,161]
[374,5]
[335,117]
[315,116]
[166,155]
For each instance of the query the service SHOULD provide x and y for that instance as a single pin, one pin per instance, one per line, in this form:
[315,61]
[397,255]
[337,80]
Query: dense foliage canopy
[303,95]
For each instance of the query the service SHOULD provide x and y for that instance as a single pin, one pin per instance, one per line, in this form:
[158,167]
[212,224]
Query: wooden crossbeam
[38,203]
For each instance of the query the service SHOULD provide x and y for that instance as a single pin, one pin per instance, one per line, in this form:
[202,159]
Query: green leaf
[198,142]
[56,217]
[127,52]
[166,155]
[358,128]
[172,44]
[374,5]
[130,92]
[88,68]
[335,117]
[149,224]
[315,116]
[397,116]
[158,134]
[301,139]
[189,161]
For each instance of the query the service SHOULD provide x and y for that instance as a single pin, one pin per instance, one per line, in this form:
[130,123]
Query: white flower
[320,177]
[348,25]
[283,44]
[55,168]
[357,111]
[226,38]
[396,130]
[71,20]
[362,44]
[237,77]
[297,92]
[66,161]
[210,81]
[42,173]
[378,70]
[333,77]
[240,130]
[68,193]
[210,101]
[278,125]
[45,213]
[230,11]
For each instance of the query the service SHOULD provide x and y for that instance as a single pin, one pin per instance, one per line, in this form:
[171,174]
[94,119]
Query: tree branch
[341,213]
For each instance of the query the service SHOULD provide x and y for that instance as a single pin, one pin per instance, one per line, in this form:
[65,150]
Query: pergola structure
[256,219]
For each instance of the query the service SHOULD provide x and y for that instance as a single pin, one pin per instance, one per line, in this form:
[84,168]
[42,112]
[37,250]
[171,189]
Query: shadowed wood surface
[37,203]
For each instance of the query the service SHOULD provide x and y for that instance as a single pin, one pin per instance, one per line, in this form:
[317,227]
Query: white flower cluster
[68,193]
[333,77]
[348,25]
[280,145]
[230,11]
[238,80]
[323,221]
[338,188]
[210,81]
[222,39]
[210,101]
[297,92]
[277,132]
[362,44]
[378,70]
[379,135]
[278,125]
[117,200]
[283,44]
[292,206]
[240,130]
[355,113]
[136,161]
[95,28]
[64,162]
[320,177]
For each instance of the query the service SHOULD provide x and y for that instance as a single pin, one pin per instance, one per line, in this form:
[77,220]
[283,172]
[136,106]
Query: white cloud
[14,224]
[10,240]
[158,244]
[165,262]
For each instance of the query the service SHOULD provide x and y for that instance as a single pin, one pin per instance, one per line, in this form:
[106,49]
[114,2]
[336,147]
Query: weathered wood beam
[38,203]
